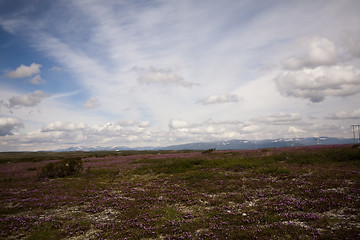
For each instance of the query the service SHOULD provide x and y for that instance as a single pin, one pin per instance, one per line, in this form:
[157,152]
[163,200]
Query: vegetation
[63,168]
[285,193]
[14,157]
[210,150]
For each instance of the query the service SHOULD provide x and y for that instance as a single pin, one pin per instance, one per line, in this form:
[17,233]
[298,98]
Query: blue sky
[156,73]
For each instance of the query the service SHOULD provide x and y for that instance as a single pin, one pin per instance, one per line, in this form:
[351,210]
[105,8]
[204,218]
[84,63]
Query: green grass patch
[170,213]
[273,169]
[319,156]
[15,157]
[45,233]
[171,166]
[196,175]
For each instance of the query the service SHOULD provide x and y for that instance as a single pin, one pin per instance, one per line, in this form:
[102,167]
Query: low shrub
[210,150]
[63,168]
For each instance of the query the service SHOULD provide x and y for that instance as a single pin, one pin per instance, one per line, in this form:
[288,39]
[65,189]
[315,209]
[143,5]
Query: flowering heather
[285,193]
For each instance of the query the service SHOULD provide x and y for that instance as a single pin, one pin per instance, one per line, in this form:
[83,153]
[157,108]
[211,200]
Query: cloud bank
[321,82]
[280,119]
[355,114]
[320,73]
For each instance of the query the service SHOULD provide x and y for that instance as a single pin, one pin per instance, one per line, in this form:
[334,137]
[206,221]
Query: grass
[300,193]
[44,234]
[174,166]
[14,157]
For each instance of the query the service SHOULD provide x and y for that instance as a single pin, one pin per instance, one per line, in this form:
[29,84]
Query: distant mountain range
[230,144]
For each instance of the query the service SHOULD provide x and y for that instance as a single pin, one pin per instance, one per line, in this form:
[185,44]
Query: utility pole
[353,128]
[358,128]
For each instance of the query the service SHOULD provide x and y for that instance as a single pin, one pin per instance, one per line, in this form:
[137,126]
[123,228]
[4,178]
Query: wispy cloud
[162,76]
[280,119]
[63,126]
[196,60]
[355,114]
[92,103]
[56,69]
[222,98]
[211,130]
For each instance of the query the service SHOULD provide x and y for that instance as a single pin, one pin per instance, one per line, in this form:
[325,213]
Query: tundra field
[280,193]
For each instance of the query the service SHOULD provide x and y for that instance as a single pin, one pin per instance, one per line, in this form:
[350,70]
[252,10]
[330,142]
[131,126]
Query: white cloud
[319,83]
[24,71]
[27,100]
[10,25]
[329,129]
[92,103]
[280,119]
[37,80]
[88,69]
[252,128]
[319,51]
[211,130]
[162,76]
[355,114]
[63,134]
[187,45]
[223,98]
[116,129]
[7,125]
[64,126]
[293,129]
[177,123]
[144,124]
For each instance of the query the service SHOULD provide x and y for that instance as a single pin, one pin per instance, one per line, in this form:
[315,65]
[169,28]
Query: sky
[155,73]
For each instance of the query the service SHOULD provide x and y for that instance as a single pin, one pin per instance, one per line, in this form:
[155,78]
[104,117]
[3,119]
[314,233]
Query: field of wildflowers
[283,193]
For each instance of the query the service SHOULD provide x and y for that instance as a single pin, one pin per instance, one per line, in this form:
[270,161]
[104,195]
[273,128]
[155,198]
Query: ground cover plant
[280,193]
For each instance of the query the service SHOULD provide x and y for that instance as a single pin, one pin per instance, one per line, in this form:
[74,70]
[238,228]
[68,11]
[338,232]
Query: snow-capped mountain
[230,144]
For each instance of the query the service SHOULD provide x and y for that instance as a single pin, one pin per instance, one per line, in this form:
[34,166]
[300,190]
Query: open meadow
[280,193]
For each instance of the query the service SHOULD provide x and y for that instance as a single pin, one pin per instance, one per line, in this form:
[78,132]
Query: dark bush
[63,168]
[210,150]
